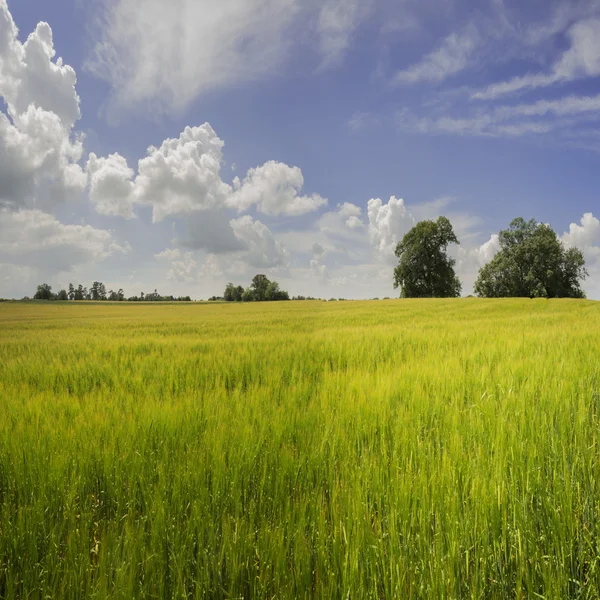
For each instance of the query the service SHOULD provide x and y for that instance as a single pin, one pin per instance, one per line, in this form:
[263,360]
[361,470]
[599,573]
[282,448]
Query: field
[392,449]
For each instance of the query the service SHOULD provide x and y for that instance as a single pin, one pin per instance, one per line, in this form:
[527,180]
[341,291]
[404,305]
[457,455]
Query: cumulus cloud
[38,154]
[28,74]
[210,230]
[38,161]
[182,175]
[585,235]
[469,260]
[262,249]
[111,186]
[38,157]
[580,60]
[388,223]
[257,248]
[274,189]
[341,222]
[32,237]
[354,222]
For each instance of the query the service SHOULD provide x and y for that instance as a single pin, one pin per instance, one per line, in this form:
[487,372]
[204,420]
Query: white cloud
[469,260]
[164,56]
[111,185]
[37,239]
[486,125]
[512,120]
[354,222]
[318,269]
[257,248]
[183,175]
[336,23]
[581,60]
[569,105]
[274,189]
[347,209]
[38,154]
[28,74]
[169,254]
[564,14]
[340,223]
[263,250]
[167,54]
[450,58]
[183,267]
[585,235]
[38,161]
[388,223]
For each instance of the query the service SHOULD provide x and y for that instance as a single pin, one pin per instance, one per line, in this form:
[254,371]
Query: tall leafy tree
[43,292]
[260,285]
[532,263]
[233,293]
[425,270]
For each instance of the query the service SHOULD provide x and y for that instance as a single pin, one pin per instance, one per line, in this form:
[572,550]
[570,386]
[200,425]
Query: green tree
[80,293]
[229,293]
[532,263]
[43,292]
[233,293]
[273,292]
[260,284]
[425,270]
[94,290]
[248,295]
[71,292]
[62,295]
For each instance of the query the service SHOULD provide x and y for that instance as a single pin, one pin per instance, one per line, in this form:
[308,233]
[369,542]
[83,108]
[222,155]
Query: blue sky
[301,139]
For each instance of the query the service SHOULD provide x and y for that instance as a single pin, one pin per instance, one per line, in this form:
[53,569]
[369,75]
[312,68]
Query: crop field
[392,449]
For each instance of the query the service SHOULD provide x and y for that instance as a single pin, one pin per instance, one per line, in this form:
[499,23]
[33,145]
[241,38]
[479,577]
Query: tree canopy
[532,263]
[261,290]
[425,270]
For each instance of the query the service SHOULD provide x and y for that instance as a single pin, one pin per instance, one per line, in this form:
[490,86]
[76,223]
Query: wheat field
[392,449]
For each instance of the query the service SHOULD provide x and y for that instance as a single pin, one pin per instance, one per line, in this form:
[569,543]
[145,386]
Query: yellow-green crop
[394,449]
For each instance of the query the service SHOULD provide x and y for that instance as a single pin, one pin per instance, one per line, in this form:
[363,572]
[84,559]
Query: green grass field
[392,449]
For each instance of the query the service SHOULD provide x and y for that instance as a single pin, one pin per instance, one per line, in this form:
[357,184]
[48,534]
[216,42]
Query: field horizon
[309,449]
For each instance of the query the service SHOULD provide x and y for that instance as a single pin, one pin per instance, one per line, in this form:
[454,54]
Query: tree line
[98,292]
[260,290]
[532,262]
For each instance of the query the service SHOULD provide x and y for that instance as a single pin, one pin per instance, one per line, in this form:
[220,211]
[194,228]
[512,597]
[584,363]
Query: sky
[179,146]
